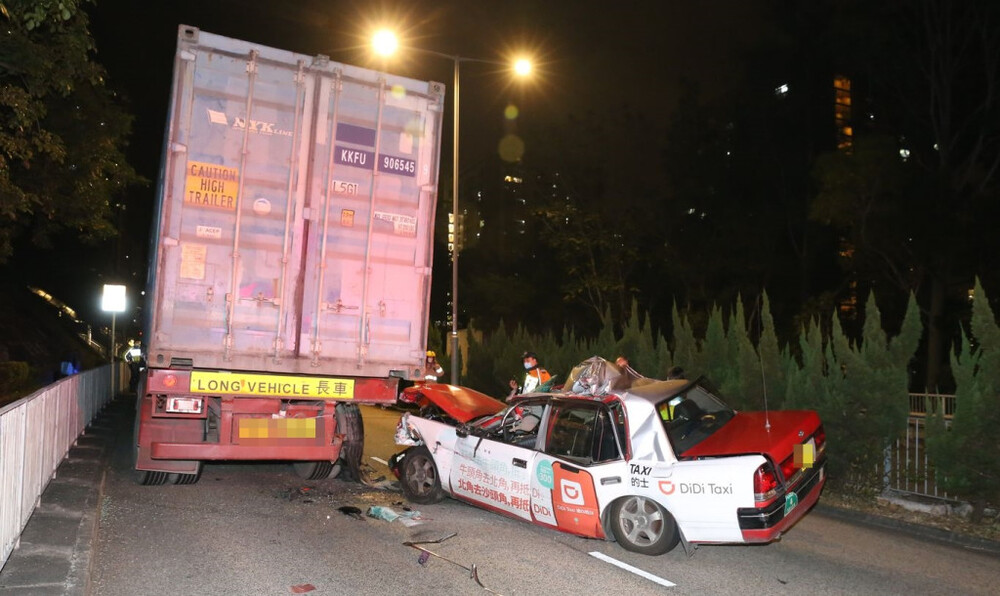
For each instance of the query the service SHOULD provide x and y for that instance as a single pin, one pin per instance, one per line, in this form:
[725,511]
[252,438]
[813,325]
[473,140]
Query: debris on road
[302,588]
[408,517]
[352,511]
[425,555]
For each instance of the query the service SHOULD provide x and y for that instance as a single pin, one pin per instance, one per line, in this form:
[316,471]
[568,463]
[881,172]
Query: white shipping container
[295,215]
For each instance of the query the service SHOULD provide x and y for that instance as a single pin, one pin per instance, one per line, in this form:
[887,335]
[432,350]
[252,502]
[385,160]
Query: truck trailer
[290,259]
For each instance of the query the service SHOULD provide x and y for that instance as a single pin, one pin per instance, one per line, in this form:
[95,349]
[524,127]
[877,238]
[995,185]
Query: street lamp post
[385,43]
[113,301]
[454,245]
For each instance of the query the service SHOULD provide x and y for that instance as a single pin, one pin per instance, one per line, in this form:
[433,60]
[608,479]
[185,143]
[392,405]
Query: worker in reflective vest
[534,375]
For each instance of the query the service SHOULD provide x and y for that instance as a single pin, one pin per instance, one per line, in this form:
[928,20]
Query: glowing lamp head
[384,42]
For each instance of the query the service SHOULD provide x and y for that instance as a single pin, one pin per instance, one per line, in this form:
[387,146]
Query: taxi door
[493,474]
[580,450]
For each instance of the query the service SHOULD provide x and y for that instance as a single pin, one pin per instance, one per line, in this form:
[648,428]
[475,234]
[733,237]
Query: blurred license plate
[277,428]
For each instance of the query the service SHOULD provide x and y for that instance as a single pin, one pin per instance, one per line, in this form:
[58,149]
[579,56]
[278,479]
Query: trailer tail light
[765,483]
[184,405]
[170,381]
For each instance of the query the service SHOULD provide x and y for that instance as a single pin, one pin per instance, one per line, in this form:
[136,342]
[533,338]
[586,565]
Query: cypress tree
[715,350]
[965,454]
[685,353]
[773,379]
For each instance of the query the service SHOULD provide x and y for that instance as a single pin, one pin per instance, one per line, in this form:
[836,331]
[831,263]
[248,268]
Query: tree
[965,454]
[930,71]
[62,132]
[859,390]
[596,210]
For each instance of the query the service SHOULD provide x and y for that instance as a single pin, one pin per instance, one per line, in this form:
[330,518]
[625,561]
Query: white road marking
[635,570]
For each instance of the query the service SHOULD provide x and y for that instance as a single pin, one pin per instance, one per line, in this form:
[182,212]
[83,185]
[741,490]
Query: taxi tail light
[765,483]
[184,405]
[788,467]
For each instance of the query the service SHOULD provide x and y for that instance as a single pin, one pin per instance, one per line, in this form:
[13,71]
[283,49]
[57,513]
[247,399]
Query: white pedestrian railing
[36,433]
[907,467]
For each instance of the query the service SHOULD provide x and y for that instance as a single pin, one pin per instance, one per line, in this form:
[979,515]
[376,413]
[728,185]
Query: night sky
[591,58]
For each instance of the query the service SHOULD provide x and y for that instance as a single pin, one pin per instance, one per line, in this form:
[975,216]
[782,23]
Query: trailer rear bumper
[265,450]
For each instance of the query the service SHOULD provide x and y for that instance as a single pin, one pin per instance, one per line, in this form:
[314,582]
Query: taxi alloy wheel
[419,478]
[642,525]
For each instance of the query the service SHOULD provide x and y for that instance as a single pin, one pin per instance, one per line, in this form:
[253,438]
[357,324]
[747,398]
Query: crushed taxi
[644,462]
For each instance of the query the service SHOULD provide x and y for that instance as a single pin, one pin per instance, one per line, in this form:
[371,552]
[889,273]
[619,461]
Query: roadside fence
[36,433]
[906,466]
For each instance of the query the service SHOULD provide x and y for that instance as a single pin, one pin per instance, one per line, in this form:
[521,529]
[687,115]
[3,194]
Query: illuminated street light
[385,43]
[113,301]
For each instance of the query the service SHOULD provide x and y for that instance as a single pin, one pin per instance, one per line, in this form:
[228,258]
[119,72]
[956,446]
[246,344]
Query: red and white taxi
[648,463]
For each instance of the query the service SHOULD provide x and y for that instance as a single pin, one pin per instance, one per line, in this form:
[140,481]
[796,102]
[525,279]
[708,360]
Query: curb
[983,545]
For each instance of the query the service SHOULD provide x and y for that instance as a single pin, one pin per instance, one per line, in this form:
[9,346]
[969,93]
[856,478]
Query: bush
[965,454]
[15,377]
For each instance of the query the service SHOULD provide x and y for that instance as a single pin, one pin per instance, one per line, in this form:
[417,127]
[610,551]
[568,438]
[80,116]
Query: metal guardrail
[906,466]
[922,404]
[36,433]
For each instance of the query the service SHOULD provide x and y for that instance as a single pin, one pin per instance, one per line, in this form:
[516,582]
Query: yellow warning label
[236,383]
[211,185]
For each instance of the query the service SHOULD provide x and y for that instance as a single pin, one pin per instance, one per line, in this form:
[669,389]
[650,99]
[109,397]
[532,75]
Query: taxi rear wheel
[643,526]
[419,478]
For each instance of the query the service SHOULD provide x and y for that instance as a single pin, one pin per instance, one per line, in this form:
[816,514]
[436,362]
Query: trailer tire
[316,470]
[350,424]
[179,478]
[143,477]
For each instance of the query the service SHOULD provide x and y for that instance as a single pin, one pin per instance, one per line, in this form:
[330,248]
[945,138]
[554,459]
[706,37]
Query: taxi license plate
[791,500]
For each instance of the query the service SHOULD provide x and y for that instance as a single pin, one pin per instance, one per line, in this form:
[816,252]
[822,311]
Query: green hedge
[858,387]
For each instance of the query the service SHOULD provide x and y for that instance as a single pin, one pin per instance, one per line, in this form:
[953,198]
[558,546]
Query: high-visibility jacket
[533,378]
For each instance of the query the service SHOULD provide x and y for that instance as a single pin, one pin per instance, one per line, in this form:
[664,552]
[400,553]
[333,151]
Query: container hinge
[317,348]
[187,55]
[228,345]
[338,306]
[259,299]
[178,147]
[252,62]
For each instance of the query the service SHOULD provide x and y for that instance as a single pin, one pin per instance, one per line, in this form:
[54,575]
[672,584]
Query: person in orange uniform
[534,375]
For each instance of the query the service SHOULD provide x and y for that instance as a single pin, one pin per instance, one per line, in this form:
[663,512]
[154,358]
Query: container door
[371,208]
[230,248]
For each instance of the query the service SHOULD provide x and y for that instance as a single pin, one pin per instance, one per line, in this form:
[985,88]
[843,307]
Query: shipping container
[291,262]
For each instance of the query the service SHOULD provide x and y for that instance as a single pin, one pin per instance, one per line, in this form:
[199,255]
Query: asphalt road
[258,529]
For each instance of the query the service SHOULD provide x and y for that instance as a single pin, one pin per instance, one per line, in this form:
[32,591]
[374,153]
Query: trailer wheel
[315,470]
[178,478]
[143,477]
[350,424]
